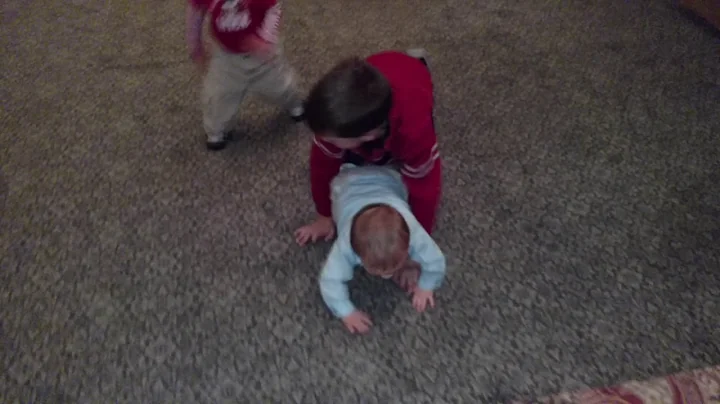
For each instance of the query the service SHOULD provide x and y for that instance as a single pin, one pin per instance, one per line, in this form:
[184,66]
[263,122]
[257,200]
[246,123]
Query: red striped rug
[700,386]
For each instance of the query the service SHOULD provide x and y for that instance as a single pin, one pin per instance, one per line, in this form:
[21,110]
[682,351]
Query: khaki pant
[231,76]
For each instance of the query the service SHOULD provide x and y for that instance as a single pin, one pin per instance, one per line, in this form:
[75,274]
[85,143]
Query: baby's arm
[425,252]
[337,271]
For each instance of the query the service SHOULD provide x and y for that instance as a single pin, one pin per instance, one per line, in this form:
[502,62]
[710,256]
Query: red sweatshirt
[411,143]
[232,21]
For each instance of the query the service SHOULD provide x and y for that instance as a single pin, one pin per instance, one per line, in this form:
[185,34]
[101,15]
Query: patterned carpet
[581,215]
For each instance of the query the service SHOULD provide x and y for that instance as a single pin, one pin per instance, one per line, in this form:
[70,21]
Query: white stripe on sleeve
[325,150]
[424,168]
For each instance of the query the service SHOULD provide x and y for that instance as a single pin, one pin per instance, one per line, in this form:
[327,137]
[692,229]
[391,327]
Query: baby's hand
[407,279]
[357,322]
[422,299]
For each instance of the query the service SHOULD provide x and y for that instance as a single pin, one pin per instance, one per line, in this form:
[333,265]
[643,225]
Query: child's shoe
[297,113]
[217,142]
[420,54]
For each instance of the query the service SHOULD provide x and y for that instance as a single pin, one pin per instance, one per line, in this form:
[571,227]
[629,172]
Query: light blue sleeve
[425,252]
[337,271]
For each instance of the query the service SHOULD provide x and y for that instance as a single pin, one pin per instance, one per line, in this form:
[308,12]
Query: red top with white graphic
[233,21]
[411,142]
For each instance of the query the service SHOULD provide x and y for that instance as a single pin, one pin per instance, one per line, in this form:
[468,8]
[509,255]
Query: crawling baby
[377,230]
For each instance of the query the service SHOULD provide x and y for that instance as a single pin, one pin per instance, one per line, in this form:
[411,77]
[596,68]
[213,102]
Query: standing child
[375,111]
[377,230]
[245,58]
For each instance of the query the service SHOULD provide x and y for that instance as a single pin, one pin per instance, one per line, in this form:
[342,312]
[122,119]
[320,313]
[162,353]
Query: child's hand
[260,48]
[200,57]
[422,299]
[357,322]
[322,228]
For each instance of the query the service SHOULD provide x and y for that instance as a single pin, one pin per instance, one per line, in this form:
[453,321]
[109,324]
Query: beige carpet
[581,214]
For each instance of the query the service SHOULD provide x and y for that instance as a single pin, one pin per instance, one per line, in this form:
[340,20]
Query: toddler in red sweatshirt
[245,58]
[379,111]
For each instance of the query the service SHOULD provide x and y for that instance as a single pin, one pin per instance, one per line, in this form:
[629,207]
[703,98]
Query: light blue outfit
[353,189]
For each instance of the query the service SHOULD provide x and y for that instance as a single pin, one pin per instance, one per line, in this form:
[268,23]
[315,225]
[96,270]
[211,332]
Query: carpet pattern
[581,214]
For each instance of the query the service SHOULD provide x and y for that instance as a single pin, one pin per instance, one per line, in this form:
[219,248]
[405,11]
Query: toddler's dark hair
[350,100]
[381,238]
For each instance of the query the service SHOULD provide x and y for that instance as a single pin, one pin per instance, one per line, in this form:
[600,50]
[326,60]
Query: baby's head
[381,238]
